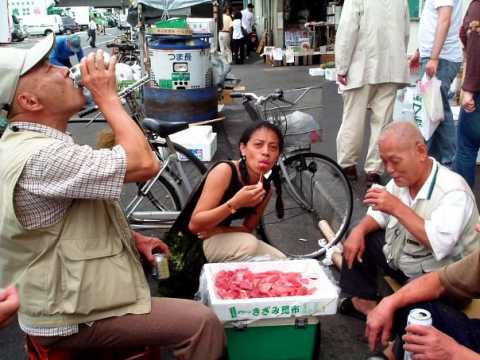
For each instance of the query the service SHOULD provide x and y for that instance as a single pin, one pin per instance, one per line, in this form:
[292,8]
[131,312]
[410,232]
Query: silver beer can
[418,317]
[76,74]
[160,270]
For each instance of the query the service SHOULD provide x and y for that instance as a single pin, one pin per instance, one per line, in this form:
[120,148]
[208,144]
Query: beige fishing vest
[84,268]
[404,252]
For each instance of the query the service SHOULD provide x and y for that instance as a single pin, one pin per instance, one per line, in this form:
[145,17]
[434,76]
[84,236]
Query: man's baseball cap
[15,62]
[75,43]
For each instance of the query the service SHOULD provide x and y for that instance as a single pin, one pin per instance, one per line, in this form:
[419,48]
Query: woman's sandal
[345,307]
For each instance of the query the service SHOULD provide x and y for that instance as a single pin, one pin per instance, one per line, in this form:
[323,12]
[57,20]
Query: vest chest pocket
[95,279]
[415,249]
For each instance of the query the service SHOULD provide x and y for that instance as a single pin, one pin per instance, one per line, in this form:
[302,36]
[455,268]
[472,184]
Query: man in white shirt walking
[92,32]
[428,213]
[248,22]
[371,61]
[440,54]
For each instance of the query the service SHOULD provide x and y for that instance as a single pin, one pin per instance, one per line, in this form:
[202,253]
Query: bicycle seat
[163,128]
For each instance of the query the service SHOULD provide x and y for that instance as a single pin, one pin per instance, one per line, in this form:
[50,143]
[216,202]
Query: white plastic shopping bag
[403,108]
[432,97]
[421,118]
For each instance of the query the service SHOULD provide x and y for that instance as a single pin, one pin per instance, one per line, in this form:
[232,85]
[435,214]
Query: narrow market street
[341,337]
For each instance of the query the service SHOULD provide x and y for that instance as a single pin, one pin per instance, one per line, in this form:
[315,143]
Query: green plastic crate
[275,339]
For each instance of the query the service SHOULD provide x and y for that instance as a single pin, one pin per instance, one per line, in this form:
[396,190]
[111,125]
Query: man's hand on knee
[9,304]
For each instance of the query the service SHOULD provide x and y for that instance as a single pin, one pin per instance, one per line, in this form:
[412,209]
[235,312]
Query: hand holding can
[160,269]
[417,317]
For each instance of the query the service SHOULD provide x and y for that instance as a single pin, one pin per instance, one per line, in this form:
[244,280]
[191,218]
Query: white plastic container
[198,139]
[317,71]
[322,302]
[331,74]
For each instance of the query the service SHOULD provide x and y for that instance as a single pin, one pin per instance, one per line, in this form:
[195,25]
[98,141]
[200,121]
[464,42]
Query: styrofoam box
[198,139]
[317,71]
[322,302]
[192,131]
[331,74]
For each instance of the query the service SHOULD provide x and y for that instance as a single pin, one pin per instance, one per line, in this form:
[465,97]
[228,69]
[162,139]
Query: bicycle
[316,187]
[168,191]
[127,51]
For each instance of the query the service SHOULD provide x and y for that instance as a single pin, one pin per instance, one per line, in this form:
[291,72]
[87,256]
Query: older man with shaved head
[422,220]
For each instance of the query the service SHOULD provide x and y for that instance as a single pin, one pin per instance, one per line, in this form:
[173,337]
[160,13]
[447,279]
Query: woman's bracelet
[232,209]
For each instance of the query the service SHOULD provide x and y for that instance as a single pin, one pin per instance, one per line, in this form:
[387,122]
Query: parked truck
[81,14]
[6,25]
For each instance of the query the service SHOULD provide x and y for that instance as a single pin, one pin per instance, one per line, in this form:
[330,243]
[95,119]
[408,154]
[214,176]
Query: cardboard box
[198,139]
[225,97]
[322,302]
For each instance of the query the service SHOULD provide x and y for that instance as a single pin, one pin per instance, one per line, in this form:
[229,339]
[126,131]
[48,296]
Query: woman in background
[225,35]
[468,132]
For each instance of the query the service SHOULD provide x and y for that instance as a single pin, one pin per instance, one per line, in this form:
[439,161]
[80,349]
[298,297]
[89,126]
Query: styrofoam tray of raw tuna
[269,289]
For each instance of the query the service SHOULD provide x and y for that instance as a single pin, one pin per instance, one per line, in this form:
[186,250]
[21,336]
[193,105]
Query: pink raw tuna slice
[244,284]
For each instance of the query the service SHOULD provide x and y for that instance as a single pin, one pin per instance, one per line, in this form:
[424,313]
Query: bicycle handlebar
[87,111]
[278,94]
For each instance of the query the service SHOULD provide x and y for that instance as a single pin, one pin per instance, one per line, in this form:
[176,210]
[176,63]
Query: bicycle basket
[300,130]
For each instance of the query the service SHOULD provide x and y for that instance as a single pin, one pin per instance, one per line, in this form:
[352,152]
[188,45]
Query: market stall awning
[172,4]
[94,3]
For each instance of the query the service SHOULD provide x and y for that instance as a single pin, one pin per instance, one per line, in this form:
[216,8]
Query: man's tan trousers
[380,99]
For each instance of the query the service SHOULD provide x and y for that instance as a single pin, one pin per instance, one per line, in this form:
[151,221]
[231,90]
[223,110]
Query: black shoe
[373,178]
[350,172]
[345,307]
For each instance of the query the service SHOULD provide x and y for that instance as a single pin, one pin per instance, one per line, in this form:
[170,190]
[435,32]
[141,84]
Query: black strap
[183,219]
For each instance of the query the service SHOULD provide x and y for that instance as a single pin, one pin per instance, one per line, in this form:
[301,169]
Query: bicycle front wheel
[314,188]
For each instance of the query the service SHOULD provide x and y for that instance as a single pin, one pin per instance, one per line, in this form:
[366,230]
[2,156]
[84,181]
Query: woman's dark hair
[237,15]
[275,175]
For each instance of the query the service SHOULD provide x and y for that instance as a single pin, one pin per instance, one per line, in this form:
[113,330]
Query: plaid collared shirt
[56,175]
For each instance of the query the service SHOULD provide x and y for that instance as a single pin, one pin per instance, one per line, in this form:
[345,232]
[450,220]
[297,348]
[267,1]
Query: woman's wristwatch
[232,209]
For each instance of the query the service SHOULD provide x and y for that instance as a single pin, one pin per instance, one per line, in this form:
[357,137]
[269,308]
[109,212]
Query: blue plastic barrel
[175,103]
[181,105]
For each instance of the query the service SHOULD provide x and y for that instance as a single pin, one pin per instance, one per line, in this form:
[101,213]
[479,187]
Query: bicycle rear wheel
[184,173]
[314,189]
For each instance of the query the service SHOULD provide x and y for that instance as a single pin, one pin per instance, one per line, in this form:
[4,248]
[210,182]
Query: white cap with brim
[16,62]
